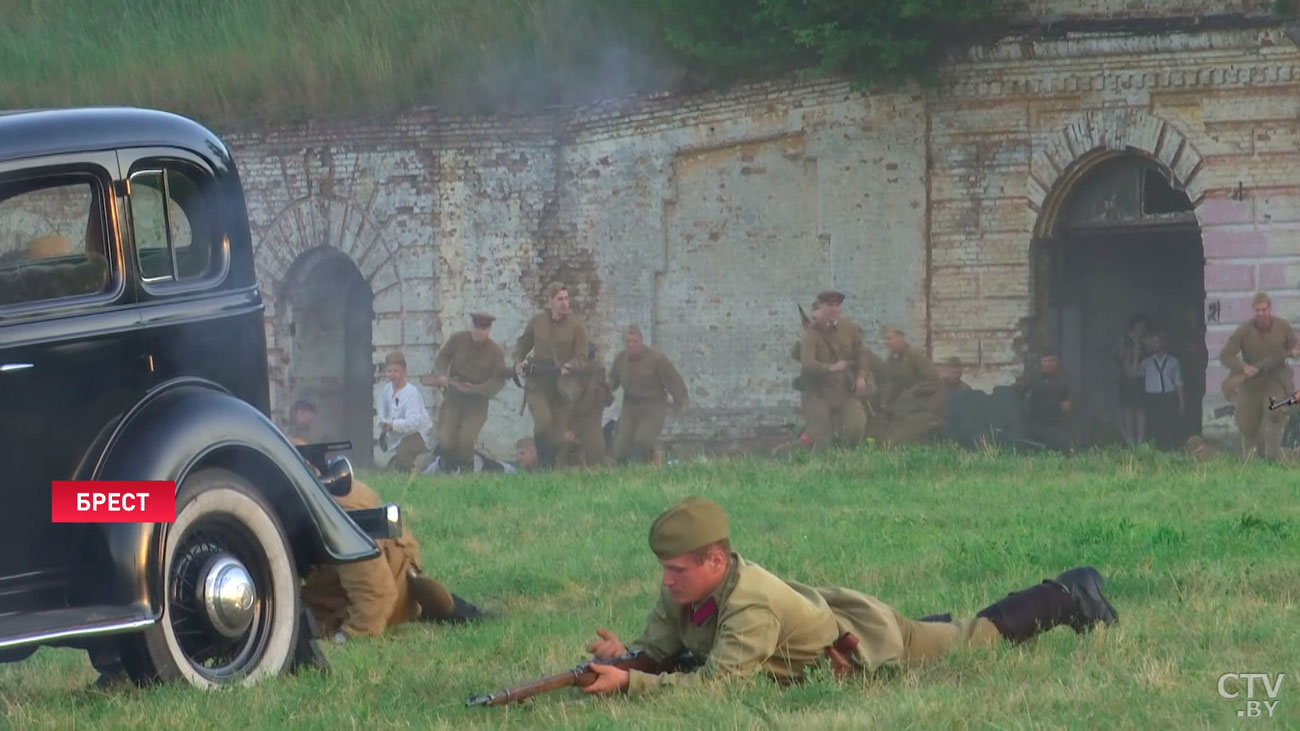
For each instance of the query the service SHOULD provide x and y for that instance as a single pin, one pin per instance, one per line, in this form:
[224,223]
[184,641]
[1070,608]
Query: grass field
[1202,560]
[243,61]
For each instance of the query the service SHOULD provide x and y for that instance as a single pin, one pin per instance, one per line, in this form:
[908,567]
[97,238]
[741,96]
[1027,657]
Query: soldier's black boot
[467,612]
[546,456]
[307,653]
[1074,599]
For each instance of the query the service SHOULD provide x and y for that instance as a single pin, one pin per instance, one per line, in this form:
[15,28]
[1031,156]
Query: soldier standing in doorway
[558,343]
[1257,353]
[470,368]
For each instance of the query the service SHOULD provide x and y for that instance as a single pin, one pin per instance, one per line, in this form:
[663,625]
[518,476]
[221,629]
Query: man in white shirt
[1162,381]
[404,422]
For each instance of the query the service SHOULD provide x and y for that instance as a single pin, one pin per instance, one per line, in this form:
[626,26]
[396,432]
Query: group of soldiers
[849,394]
[567,389]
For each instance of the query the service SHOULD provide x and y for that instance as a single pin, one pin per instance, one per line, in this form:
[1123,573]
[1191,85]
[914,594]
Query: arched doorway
[328,311]
[1124,241]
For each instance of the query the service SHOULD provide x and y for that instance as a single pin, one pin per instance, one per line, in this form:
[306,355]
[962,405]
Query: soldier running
[558,343]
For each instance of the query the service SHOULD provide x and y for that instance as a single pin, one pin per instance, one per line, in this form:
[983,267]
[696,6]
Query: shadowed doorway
[1124,243]
[330,311]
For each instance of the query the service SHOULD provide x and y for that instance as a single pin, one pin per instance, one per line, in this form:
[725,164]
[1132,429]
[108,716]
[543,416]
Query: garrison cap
[553,289]
[1261,298]
[395,358]
[482,319]
[692,523]
[831,296]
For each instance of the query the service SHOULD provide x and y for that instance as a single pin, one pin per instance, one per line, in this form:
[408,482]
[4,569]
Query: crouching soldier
[366,597]
[740,619]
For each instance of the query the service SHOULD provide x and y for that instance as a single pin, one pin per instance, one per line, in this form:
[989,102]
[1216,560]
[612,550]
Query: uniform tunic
[647,381]
[759,622]
[549,396]
[481,367]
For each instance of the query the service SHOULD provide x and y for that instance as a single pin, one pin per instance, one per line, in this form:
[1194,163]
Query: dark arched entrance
[328,323]
[1124,242]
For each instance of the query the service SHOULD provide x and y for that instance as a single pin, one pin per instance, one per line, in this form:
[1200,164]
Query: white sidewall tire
[224,497]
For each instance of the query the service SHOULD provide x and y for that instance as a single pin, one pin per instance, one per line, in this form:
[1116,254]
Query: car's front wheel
[231,609]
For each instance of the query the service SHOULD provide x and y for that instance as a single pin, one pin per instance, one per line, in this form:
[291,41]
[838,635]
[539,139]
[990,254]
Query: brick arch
[316,221]
[310,224]
[1071,152]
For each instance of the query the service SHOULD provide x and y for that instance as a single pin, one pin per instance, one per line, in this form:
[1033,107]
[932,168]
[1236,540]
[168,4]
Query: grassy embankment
[1201,561]
[245,61]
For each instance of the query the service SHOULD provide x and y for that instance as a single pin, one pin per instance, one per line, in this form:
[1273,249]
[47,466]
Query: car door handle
[16,367]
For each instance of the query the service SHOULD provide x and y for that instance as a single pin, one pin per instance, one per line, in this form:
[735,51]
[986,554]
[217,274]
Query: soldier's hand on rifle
[838,366]
[519,369]
[435,380]
[564,369]
[861,386]
[609,679]
[609,645]
[1250,370]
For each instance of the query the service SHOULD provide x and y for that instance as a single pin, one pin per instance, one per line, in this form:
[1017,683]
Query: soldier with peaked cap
[834,364]
[1256,354]
[556,340]
[740,619]
[471,368]
[404,422]
[648,378]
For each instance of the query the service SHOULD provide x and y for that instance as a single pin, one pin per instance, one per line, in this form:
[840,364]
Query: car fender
[189,423]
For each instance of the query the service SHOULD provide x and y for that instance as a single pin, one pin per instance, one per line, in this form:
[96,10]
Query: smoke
[558,70]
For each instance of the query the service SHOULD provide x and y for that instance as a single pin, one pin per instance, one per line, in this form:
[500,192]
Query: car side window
[52,240]
[172,216]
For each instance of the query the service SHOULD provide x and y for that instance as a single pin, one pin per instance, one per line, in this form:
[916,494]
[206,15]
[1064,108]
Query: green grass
[1201,560]
[244,61]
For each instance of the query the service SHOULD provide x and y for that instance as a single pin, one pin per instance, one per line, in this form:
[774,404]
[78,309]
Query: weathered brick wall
[1219,109]
[706,219]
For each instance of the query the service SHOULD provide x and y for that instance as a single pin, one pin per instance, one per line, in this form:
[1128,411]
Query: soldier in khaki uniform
[366,597]
[586,440]
[834,362]
[647,378]
[1256,353]
[471,368]
[740,620]
[557,340]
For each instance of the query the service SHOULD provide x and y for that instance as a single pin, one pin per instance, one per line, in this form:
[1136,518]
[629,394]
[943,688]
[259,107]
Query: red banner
[107,501]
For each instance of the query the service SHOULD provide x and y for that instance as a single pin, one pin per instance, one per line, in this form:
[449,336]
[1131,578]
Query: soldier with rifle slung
[834,362]
[470,368]
[558,343]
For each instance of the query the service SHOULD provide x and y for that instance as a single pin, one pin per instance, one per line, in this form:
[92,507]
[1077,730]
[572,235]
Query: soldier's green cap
[692,523]
[831,296]
[553,289]
[481,319]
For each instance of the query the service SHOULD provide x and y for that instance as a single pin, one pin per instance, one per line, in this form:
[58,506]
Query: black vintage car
[132,347]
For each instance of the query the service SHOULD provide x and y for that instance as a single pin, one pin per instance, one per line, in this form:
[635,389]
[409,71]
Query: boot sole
[1085,584]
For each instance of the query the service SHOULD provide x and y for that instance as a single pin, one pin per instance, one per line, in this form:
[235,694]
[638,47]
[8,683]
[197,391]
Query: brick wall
[706,219]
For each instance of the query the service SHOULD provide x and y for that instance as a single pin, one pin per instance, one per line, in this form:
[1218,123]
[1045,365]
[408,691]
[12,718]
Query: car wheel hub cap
[227,595]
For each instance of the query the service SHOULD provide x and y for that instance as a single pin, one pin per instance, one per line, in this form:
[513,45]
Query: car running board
[27,628]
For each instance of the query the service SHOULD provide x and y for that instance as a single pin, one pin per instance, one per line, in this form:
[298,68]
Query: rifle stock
[579,676]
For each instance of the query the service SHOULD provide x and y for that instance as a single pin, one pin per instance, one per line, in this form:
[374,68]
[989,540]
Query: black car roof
[34,132]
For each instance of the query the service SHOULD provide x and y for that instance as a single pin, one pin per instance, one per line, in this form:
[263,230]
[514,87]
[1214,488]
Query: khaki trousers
[842,420]
[923,641]
[639,425]
[1261,429]
[460,420]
